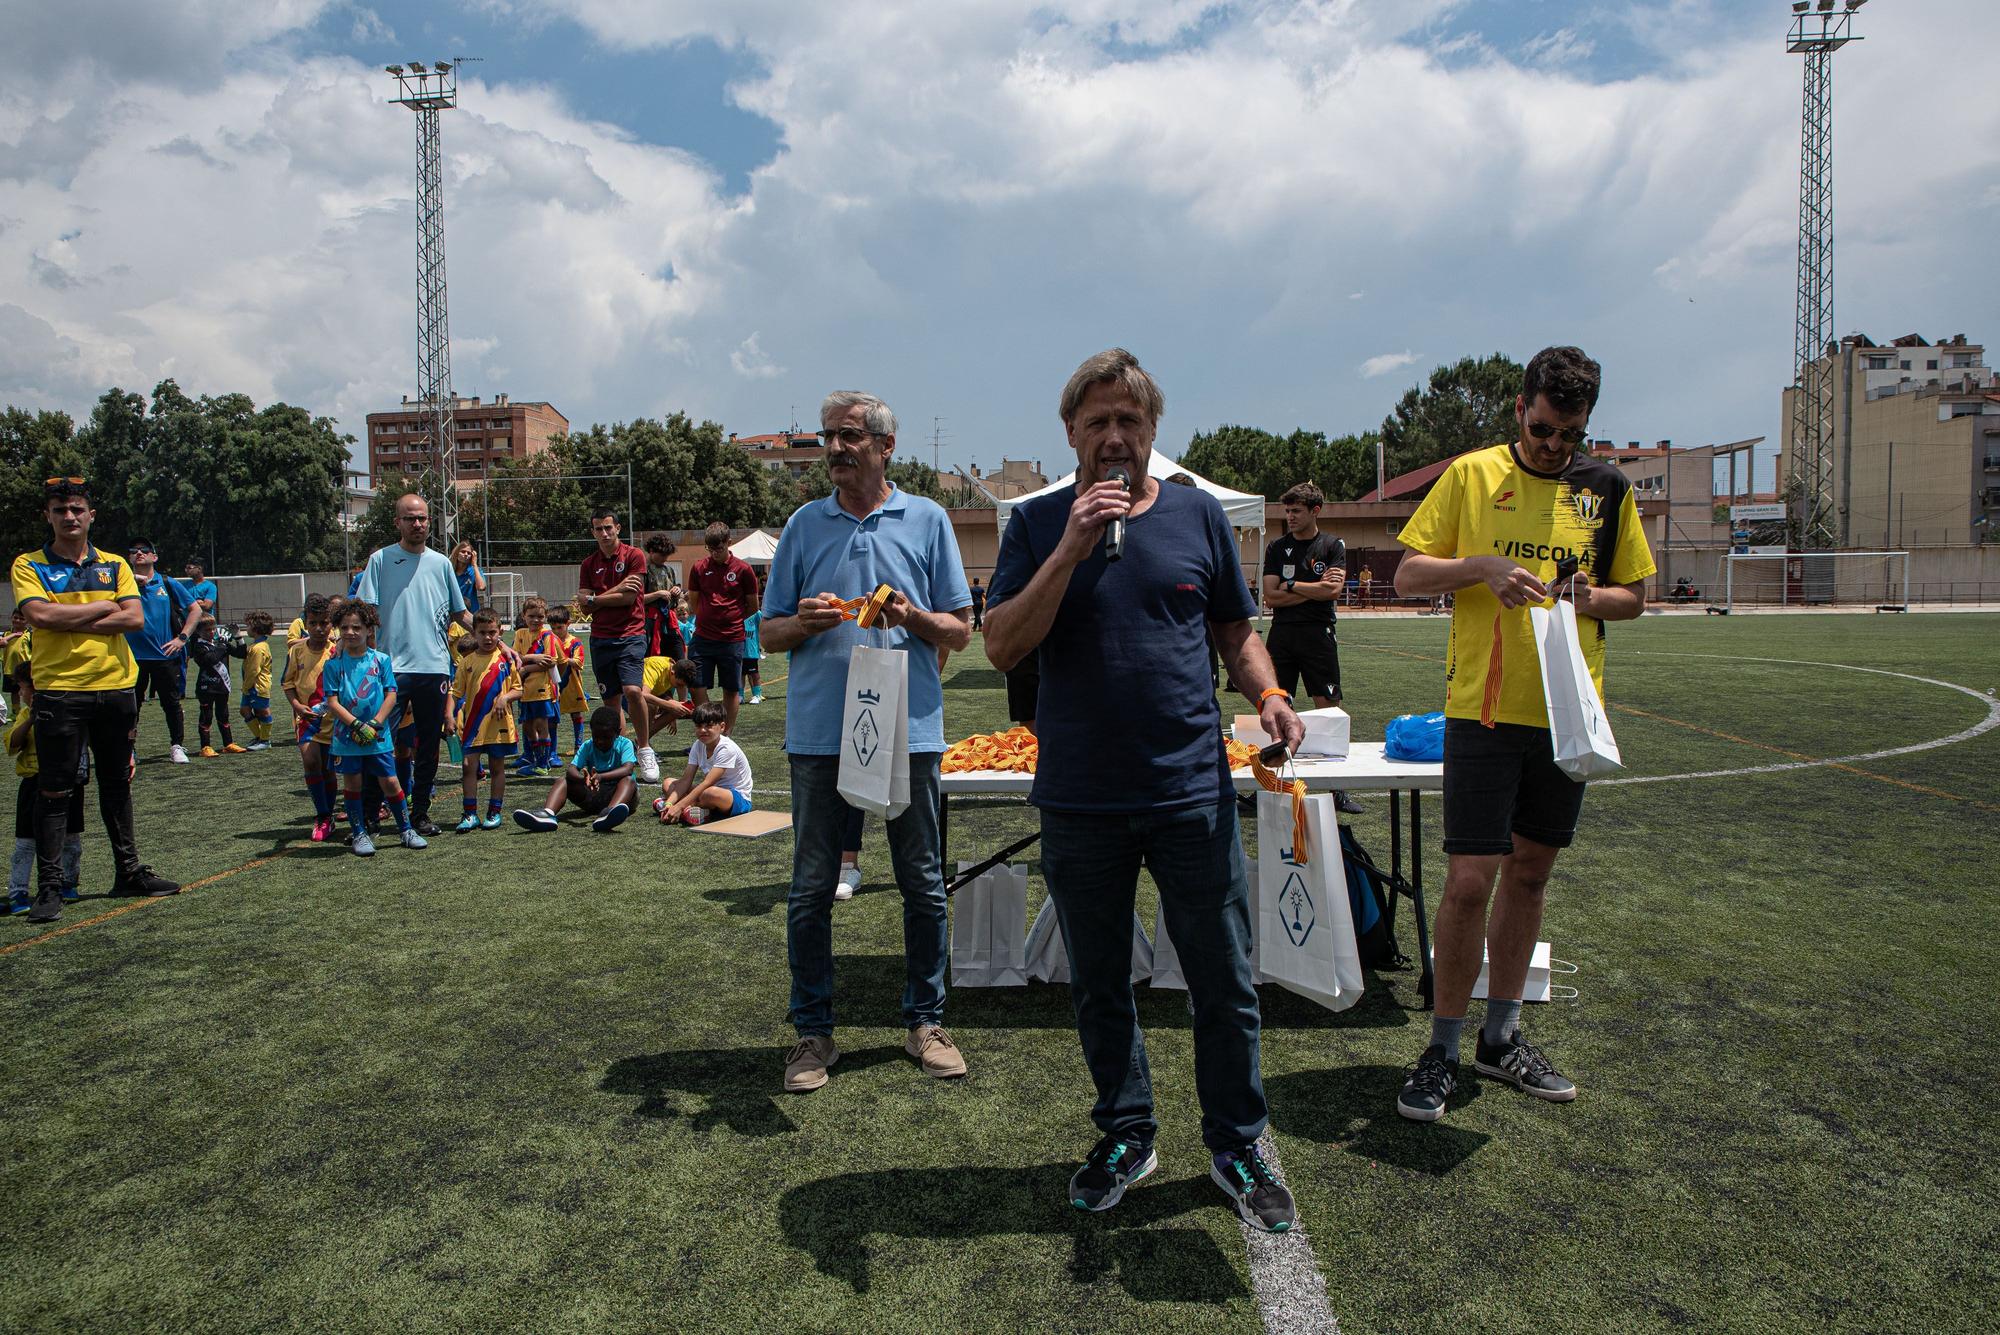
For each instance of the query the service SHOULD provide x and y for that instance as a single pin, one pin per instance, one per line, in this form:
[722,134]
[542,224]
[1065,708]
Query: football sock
[1446,1032]
[493,806]
[400,808]
[222,725]
[406,762]
[471,806]
[356,819]
[20,872]
[322,800]
[576,734]
[1502,1019]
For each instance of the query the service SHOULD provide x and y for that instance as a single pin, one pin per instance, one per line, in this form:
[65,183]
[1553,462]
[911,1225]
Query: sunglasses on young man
[1572,435]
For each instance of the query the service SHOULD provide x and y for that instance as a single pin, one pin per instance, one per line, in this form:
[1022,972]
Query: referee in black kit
[1304,573]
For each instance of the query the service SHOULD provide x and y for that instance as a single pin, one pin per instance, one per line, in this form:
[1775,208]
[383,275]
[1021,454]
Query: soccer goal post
[237,596]
[1880,580]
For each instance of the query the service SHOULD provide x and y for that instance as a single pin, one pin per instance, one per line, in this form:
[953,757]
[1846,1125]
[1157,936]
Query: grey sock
[1502,1019]
[1445,1032]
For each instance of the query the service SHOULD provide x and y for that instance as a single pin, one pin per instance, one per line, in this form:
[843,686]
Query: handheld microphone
[1114,532]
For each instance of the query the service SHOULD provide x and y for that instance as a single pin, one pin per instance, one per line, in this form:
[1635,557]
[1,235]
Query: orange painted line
[138,904]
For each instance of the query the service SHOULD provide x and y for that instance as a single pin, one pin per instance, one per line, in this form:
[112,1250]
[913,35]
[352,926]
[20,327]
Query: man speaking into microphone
[1113,584]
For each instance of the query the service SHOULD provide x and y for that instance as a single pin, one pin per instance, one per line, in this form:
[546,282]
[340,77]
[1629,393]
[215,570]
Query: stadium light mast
[1818,30]
[427,91]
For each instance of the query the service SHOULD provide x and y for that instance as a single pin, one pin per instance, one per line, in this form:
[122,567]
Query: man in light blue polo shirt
[866,534]
[171,616]
[415,591]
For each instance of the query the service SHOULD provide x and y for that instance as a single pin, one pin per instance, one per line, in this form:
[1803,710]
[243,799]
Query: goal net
[237,596]
[1817,579]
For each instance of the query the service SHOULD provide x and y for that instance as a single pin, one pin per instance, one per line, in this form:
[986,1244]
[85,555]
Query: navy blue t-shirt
[1127,717]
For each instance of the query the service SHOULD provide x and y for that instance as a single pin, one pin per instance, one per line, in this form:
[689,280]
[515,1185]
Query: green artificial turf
[532,1082]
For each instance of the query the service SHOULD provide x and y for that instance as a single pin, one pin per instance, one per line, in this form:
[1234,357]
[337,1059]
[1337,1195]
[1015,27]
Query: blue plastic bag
[1417,737]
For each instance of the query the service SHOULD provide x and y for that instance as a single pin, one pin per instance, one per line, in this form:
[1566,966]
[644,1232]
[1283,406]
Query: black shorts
[592,803]
[24,808]
[1024,690]
[1503,781]
[1302,649]
[718,664]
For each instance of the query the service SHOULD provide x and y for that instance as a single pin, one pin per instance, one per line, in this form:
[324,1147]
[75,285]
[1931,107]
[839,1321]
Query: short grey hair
[878,417]
[1119,367]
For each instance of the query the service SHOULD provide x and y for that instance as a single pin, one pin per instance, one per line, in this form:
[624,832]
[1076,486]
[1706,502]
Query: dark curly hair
[354,607]
[1567,376]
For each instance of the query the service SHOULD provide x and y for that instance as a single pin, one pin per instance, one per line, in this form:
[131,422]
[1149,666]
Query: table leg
[1427,981]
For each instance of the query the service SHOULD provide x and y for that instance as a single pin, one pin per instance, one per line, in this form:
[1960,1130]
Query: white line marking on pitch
[1987,724]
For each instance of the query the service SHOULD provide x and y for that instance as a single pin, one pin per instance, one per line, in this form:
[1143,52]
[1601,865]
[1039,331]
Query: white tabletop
[1365,770]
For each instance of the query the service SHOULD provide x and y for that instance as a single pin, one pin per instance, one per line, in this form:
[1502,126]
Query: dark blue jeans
[1092,865]
[819,818]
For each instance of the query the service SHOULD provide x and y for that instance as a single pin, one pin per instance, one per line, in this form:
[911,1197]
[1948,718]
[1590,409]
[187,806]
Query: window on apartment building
[1905,365]
[1878,363]
[1965,410]
[1931,365]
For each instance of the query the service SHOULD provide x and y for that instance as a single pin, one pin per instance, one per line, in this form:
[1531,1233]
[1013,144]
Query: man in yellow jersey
[1497,530]
[81,602]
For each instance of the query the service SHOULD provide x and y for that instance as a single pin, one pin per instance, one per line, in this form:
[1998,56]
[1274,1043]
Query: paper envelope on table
[1327,733]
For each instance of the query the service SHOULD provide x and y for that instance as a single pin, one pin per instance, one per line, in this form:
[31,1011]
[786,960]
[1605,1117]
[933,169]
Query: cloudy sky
[1290,211]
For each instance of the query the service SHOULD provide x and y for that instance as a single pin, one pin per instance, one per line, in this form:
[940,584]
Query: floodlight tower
[1817,32]
[427,91]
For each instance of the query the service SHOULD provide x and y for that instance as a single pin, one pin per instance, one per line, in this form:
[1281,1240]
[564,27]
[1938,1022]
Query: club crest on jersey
[1588,505]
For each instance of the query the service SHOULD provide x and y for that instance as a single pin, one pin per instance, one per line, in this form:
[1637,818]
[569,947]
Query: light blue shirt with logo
[905,543]
[417,597]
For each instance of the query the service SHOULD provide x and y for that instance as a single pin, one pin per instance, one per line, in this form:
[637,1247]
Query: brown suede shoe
[805,1068]
[934,1051]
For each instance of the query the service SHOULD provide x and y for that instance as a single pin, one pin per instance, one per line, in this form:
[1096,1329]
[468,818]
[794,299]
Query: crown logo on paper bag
[868,697]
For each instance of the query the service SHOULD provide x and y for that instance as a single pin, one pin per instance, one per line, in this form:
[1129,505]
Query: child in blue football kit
[598,779]
[360,688]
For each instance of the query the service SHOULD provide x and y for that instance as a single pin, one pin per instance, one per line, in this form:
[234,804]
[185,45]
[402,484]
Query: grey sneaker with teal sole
[1111,1166]
[1264,1202]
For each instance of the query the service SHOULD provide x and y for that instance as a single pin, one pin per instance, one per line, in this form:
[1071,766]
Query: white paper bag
[1305,927]
[1537,986]
[1578,728]
[989,928]
[1048,959]
[1166,960]
[875,731]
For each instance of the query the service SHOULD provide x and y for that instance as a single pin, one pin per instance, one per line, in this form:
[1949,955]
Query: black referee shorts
[1305,650]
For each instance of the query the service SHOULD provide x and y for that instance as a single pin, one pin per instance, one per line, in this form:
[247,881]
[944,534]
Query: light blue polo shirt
[906,544]
[417,597]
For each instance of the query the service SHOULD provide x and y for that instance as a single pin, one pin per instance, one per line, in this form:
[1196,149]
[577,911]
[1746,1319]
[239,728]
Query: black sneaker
[1431,1082]
[1264,1202]
[1112,1166]
[1346,805]
[426,827]
[613,817]
[47,906]
[1522,1065]
[141,881]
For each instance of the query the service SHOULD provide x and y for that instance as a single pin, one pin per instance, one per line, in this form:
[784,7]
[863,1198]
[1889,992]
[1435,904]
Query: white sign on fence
[1756,512]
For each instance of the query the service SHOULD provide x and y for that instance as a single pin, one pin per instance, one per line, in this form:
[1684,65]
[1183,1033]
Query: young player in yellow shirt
[539,652]
[482,714]
[256,698]
[571,697]
[303,668]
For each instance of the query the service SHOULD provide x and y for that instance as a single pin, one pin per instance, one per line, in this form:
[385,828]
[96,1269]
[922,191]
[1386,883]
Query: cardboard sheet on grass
[749,825]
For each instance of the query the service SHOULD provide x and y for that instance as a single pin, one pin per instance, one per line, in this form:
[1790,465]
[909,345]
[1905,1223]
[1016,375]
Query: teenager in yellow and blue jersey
[80,602]
[360,698]
[482,714]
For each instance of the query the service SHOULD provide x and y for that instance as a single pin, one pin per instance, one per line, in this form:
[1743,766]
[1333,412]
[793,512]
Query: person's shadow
[835,1218]
[712,1088]
[1353,1107]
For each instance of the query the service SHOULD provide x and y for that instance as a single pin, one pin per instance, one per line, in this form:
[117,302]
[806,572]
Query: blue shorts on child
[738,802]
[539,709]
[498,750]
[380,764]
[255,702]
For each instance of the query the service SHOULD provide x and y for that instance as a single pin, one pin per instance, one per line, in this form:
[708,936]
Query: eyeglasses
[848,436]
[1572,435]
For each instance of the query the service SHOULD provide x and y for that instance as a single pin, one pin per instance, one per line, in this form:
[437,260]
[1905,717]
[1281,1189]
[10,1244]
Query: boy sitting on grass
[598,779]
[716,784]
[481,712]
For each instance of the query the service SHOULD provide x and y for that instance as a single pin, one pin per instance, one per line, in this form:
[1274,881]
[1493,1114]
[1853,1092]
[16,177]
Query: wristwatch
[1290,585]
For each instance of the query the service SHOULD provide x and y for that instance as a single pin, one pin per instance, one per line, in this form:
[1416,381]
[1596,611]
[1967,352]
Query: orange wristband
[1270,691]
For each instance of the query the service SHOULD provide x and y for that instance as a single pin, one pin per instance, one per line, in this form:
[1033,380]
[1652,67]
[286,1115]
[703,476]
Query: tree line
[1463,406]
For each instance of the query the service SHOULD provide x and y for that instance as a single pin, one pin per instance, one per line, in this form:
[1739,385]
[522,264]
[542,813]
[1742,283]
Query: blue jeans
[819,817]
[1092,866]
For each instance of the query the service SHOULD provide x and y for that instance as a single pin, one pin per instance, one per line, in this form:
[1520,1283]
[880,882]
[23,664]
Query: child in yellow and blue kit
[481,713]
[540,655]
[21,745]
[256,697]
[571,697]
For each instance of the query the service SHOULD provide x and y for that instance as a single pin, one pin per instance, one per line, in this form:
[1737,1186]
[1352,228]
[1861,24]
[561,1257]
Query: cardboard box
[1327,733]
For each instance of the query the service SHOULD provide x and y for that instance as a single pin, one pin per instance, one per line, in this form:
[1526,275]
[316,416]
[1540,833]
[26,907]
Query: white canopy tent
[1245,511]
[755,548]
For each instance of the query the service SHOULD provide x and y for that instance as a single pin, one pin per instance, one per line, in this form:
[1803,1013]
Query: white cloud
[1564,46]
[752,362]
[1386,362]
[369,27]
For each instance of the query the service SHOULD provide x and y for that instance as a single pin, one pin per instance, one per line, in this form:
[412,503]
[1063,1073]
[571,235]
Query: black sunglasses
[848,436]
[1572,435]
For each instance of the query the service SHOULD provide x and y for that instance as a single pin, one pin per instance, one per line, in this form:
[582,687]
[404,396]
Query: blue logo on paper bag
[867,738]
[1295,909]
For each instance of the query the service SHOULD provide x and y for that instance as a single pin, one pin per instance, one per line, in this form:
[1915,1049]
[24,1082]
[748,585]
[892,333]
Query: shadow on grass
[976,679]
[734,1088]
[835,1218]
[750,901]
[868,989]
[1354,1108]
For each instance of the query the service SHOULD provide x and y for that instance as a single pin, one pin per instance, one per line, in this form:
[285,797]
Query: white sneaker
[649,765]
[849,882]
[177,754]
